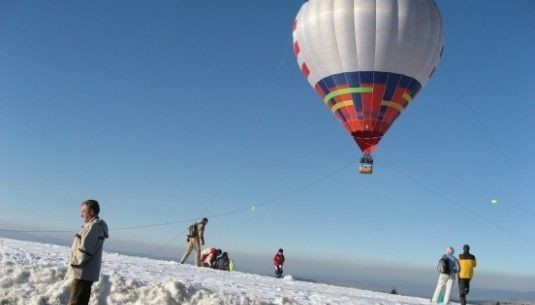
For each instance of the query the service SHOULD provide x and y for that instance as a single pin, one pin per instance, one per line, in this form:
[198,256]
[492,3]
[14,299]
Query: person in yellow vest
[467,263]
[232,265]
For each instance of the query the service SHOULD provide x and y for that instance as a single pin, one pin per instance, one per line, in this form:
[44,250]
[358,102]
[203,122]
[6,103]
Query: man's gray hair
[93,205]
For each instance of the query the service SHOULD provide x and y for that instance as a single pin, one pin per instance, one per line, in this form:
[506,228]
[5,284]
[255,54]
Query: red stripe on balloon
[297,49]
[319,91]
[305,70]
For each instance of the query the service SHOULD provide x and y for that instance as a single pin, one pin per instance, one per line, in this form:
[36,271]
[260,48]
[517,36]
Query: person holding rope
[194,240]
[86,253]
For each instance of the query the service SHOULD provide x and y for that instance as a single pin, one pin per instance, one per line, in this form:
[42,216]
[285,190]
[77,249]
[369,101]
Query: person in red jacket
[278,261]
[208,256]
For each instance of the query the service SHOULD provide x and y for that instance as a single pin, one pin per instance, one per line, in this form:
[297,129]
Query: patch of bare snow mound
[25,284]
[115,289]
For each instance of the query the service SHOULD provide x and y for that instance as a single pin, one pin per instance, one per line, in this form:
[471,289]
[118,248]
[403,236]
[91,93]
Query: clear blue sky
[178,109]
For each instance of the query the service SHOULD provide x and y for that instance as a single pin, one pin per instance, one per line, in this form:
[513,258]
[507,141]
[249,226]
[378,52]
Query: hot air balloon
[367,60]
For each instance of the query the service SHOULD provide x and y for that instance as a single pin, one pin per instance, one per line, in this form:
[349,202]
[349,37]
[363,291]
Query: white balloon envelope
[367,59]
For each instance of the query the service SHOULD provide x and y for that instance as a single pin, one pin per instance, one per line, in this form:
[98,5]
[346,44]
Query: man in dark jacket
[222,262]
[467,263]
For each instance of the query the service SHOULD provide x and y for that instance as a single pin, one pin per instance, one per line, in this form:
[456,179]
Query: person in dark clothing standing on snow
[467,263]
[278,261]
[195,239]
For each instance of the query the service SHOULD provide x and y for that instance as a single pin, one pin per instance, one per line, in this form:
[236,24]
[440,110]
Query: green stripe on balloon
[338,92]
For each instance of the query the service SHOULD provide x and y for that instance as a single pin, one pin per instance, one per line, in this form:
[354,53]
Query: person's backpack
[443,265]
[193,231]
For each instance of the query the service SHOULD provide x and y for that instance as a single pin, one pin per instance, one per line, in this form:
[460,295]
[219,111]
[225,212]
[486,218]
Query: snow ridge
[35,274]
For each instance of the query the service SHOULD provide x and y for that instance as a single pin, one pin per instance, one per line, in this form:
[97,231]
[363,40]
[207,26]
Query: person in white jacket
[447,279]
[86,253]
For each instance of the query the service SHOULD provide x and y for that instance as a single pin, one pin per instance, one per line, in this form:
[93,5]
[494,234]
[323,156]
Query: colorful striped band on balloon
[367,102]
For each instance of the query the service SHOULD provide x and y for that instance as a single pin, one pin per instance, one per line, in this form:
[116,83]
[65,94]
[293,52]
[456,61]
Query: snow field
[35,274]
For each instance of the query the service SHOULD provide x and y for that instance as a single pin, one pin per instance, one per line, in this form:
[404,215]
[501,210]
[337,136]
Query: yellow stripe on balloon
[407,97]
[342,104]
[393,105]
[342,91]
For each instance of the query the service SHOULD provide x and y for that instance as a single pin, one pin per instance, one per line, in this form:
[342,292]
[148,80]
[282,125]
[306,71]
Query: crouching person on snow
[86,253]
[208,256]
[222,262]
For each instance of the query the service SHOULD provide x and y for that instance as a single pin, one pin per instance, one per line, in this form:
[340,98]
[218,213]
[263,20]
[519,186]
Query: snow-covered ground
[34,274]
